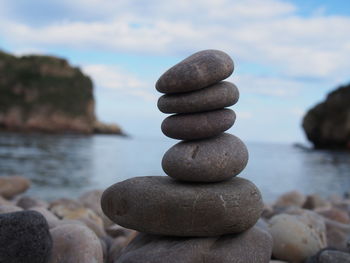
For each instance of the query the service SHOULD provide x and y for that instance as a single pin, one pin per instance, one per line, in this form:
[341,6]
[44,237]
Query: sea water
[67,165]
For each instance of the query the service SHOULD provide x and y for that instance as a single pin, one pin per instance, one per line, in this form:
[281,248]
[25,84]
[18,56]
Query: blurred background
[288,56]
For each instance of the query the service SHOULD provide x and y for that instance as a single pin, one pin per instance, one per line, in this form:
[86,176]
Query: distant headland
[46,94]
[327,125]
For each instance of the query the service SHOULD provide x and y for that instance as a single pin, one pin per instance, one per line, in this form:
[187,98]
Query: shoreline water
[62,165]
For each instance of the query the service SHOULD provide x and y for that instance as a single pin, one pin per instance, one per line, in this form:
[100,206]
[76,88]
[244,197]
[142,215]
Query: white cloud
[114,78]
[266,85]
[264,32]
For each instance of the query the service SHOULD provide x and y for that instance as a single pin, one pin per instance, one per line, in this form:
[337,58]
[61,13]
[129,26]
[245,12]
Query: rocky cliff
[327,125]
[46,94]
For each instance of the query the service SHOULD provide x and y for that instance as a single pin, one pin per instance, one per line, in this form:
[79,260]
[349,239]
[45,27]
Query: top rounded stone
[198,71]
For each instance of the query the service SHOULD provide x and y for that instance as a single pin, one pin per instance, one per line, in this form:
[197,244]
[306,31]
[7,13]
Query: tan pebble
[292,198]
[75,244]
[293,239]
[10,186]
[92,200]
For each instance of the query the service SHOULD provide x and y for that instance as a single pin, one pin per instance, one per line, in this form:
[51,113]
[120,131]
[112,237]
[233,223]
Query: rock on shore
[327,125]
[46,94]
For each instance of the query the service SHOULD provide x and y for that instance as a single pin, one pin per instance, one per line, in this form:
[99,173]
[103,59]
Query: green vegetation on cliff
[34,81]
[45,93]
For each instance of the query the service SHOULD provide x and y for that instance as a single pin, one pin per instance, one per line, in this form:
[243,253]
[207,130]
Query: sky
[288,54]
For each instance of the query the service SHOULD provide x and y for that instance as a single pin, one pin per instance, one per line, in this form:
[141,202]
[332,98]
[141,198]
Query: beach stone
[217,96]
[335,214]
[253,245]
[292,198]
[62,206]
[74,244]
[4,201]
[24,237]
[4,209]
[198,71]
[200,125]
[338,234]
[262,224]
[97,228]
[92,200]
[118,244]
[315,201]
[333,256]
[294,239]
[312,219]
[330,256]
[71,222]
[164,206]
[72,209]
[268,211]
[27,202]
[10,186]
[116,247]
[209,160]
[51,219]
[117,230]
[343,205]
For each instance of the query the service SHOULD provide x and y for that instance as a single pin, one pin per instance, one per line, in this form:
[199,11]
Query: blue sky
[288,54]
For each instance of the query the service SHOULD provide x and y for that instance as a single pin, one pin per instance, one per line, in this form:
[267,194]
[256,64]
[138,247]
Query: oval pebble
[200,125]
[217,96]
[198,71]
[164,206]
[209,160]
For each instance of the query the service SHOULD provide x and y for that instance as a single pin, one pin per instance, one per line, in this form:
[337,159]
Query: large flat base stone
[252,246]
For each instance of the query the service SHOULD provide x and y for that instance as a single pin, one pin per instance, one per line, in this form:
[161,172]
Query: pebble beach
[304,228]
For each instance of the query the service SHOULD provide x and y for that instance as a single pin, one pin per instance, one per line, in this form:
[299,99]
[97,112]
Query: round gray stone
[24,237]
[209,160]
[193,126]
[332,256]
[198,71]
[164,206]
[217,96]
[253,245]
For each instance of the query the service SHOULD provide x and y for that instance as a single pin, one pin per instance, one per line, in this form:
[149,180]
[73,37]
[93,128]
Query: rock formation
[46,94]
[327,125]
[200,212]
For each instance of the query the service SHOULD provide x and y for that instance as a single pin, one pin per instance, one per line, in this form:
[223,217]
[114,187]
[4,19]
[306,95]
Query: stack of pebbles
[201,212]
